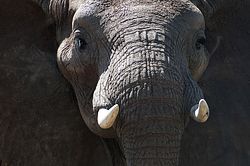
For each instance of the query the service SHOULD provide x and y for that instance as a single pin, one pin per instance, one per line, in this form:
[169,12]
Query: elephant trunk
[154,138]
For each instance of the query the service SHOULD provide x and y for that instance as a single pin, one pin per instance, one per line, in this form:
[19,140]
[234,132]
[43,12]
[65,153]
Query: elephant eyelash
[80,43]
[200,43]
[80,39]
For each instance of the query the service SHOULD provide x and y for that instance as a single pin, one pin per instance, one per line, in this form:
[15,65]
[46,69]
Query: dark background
[39,119]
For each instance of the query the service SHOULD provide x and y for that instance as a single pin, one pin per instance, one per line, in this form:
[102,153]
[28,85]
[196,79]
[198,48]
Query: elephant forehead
[113,6]
[147,5]
[155,12]
[119,2]
[113,11]
[60,9]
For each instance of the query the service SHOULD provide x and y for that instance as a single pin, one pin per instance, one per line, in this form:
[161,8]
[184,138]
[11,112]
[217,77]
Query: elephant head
[134,66]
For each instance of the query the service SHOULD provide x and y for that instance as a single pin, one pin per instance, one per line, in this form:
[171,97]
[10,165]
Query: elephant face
[143,56]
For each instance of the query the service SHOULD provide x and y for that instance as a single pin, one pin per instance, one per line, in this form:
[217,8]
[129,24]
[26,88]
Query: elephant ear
[224,139]
[215,13]
[40,123]
[210,7]
[57,9]
[59,13]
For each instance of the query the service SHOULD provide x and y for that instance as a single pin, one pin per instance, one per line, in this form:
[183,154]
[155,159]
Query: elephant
[137,60]
[134,67]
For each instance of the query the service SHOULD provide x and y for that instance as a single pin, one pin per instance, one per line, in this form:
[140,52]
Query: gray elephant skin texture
[137,55]
[146,56]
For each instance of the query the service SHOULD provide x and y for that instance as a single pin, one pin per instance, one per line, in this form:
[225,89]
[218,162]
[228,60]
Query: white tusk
[106,118]
[200,112]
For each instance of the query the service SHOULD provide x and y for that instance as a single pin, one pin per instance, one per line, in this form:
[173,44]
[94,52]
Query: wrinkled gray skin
[139,54]
[40,122]
[144,56]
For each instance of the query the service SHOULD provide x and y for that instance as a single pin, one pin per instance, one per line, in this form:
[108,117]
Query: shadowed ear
[213,11]
[209,7]
[57,9]
[38,111]
[58,13]
[225,84]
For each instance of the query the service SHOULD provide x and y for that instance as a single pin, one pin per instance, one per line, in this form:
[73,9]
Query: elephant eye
[80,43]
[200,43]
